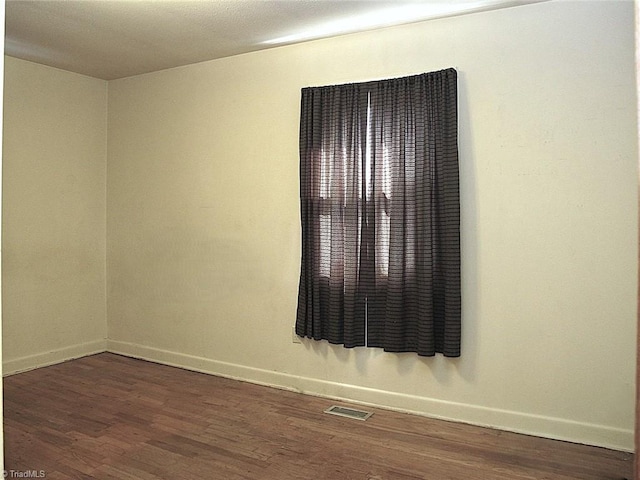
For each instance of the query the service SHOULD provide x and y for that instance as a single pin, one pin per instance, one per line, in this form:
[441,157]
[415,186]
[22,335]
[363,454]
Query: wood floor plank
[112,417]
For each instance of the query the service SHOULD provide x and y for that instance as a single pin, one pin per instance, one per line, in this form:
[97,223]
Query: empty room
[223,221]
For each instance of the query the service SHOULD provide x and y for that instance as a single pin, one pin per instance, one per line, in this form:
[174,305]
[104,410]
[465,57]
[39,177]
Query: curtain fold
[380,215]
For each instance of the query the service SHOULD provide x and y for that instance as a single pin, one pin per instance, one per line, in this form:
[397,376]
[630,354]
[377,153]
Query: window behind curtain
[379,197]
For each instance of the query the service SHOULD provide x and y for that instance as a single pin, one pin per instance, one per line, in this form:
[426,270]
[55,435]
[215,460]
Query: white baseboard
[542,426]
[31,362]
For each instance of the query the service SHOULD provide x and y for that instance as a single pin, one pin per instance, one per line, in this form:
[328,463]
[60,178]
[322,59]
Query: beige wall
[203,235]
[2,12]
[54,211]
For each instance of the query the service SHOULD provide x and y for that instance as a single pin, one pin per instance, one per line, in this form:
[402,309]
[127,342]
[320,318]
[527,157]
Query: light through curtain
[380,215]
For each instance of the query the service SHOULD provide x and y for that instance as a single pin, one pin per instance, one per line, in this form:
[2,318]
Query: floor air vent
[348,412]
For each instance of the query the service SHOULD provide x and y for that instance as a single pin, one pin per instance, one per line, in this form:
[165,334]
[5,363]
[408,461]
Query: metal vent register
[348,412]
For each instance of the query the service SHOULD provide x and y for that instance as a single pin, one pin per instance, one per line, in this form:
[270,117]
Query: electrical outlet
[294,337]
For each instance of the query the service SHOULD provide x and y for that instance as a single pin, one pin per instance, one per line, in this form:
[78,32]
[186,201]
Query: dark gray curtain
[380,210]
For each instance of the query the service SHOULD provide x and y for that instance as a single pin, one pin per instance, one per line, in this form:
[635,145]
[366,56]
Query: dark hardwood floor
[112,417]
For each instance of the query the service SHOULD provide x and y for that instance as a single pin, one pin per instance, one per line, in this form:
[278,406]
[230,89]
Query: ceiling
[111,39]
